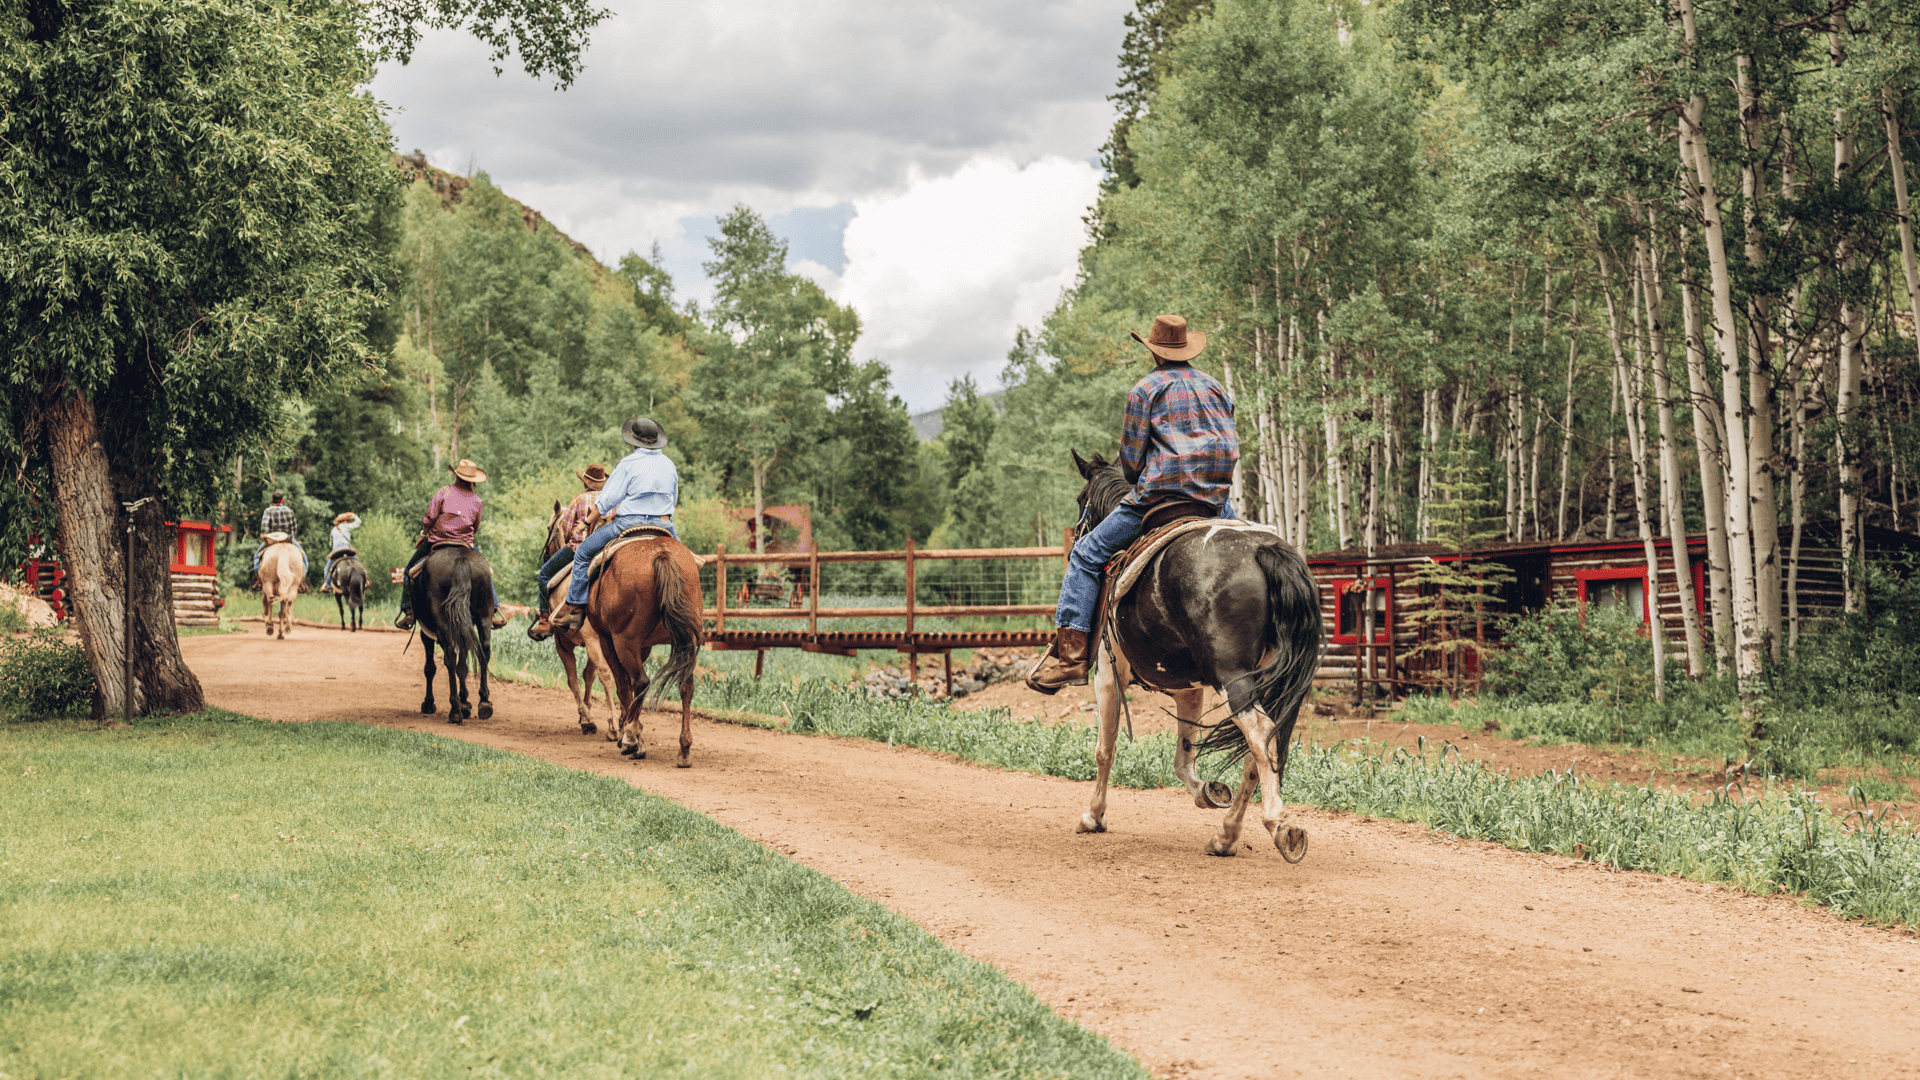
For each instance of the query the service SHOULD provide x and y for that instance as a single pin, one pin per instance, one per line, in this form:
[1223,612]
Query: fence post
[813,591]
[719,588]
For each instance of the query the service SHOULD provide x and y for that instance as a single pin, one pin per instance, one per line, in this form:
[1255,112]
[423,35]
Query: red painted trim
[1620,573]
[1382,633]
[181,531]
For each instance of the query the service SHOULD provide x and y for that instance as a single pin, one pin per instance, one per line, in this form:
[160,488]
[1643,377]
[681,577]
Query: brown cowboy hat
[468,471]
[1171,340]
[342,519]
[595,477]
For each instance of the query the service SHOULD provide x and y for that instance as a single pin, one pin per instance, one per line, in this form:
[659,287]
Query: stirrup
[403,621]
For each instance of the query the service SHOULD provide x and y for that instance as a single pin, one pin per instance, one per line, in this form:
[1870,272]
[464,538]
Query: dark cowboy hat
[468,471]
[595,477]
[642,431]
[1171,340]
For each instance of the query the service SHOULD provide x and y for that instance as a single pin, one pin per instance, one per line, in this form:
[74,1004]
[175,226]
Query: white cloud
[686,108]
[944,271]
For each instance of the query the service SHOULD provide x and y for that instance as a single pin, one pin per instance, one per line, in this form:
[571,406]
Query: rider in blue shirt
[643,490]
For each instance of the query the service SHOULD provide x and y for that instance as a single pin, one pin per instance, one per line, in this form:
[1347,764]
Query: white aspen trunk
[1237,488]
[1847,370]
[1750,644]
[1797,494]
[1713,503]
[1897,162]
[1674,514]
[1613,453]
[759,504]
[1636,445]
[1566,422]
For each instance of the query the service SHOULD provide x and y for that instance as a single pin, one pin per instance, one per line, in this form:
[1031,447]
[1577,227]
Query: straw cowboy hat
[468,471]
[342,519]
[595,477]
[1171,340]
[642,431]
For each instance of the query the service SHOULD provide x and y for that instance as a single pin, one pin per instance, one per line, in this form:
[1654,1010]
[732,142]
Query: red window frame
[178,564]
[1620,573]
[1382,633]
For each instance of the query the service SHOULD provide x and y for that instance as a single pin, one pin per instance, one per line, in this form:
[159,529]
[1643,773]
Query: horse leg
[686,720]
[1108,686]
[486,662]
[456,686]
[622,684]
[567,661]
[1229,834]
[426,706]
[1270,752]
[597,667]
[633,734]
[1186,708]
[340,605]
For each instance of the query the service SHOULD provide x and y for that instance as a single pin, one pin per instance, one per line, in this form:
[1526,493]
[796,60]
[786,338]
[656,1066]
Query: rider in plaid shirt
[278,518]
[1178,442]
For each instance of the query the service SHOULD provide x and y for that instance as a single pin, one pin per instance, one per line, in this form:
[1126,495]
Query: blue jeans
[1080,587]
[599,538]
[262,548]
[547,569]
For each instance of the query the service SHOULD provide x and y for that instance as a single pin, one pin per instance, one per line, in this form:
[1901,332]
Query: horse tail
[682,618]
[455,616]
[1280,686]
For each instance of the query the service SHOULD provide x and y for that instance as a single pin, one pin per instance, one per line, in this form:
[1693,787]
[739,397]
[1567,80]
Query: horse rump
[1293,642]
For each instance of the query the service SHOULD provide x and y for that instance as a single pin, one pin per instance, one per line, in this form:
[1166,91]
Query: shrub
[44,675]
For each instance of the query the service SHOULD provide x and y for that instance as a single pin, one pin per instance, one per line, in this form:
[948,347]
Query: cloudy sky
[928,162]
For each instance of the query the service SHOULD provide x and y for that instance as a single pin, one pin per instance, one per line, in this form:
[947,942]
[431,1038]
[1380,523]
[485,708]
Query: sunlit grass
[219,896]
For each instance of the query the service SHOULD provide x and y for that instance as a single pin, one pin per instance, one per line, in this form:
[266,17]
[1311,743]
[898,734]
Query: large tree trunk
[88,491]
[1750,645]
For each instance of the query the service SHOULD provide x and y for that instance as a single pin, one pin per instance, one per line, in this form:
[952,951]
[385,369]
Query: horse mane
[1106,487]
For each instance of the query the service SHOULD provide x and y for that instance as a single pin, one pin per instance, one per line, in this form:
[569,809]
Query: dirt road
[1390,952]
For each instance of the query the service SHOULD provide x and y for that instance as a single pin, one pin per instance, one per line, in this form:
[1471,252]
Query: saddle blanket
[556,586]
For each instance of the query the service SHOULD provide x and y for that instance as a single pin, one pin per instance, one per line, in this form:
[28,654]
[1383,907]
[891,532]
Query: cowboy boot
[567,617]
[1065,663]
[499,618]
[542,628]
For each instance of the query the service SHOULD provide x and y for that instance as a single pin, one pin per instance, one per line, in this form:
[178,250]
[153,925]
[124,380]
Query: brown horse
[647,595]
[565,641]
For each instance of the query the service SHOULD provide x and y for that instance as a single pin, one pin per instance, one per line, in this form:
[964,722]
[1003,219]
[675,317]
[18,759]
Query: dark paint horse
[1235,609]
[454,606]
[350,589]
[566,641]
[648,594]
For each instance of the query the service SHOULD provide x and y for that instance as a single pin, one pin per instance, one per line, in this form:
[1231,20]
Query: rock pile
[989,666]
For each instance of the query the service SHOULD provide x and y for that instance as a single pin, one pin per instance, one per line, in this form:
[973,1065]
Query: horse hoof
[1215,795]
[683,764]
[1292,843]
[426,707]
[486,710]
[1215,847]
[587,727]
[1088,823]
[455,720]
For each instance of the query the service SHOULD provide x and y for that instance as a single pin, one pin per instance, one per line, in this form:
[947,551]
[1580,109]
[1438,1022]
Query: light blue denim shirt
[645,482]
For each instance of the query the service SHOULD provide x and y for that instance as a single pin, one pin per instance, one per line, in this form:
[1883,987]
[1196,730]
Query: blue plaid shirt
[1179,437]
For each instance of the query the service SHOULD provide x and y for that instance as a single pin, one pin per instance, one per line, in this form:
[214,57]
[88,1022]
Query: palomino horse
[283,569]
[454,606]
[648,594]
[350,588]
[1231,608]
[565,641]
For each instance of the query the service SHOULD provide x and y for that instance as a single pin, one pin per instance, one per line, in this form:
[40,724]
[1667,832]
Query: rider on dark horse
[573,529]
[340,542]
[1178,442]
[643,490]
[452,517]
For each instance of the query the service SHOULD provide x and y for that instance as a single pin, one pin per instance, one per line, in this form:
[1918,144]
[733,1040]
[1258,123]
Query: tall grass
[219,896]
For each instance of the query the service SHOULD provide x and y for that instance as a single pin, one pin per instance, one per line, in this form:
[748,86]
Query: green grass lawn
[219,896]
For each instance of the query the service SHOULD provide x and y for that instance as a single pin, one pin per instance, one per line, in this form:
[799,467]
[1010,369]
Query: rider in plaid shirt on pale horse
[1178,442]
[277,518]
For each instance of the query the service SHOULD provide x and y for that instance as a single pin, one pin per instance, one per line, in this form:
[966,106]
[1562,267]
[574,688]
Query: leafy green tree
[966,428]
[777,347]
[190,203]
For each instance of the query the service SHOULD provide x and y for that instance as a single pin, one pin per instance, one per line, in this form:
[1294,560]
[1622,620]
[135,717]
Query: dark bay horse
[350,589]
[454,606]
[1231,608]
[566,641]
[648,594]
